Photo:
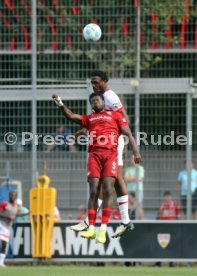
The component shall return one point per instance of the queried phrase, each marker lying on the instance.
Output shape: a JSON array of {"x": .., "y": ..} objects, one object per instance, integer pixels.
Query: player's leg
[
  {"x": 94, "y": 186},
  {"x": 99, "y": 203},
  {"x": 94, "y": 169},
  {"x": 3, "y": 247},
  {"x": 109, "y": 175},
  {"x": 122, "y": 194},
  {"x": 107, "y": 187}
]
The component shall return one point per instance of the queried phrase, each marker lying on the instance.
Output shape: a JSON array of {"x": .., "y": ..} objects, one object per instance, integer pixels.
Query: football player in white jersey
[
  {"x": 99, "y": 81},
  {"x": 8, "y": 212}
]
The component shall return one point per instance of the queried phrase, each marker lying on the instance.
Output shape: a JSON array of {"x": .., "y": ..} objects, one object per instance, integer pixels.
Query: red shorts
[{"x": 102, "y": 164}]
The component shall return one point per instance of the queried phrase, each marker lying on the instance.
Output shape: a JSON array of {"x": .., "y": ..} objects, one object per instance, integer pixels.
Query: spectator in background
[
  {"x": 133, "y": 207},
  {"x": 182, "y": 189},
  {"x": 62, "y": 133},
  {"x": 82, "y": 213},
  {"x": 169, "y": 210},
  {"x": 134, "y": 177},
  {"x": 23, "y": 212}
]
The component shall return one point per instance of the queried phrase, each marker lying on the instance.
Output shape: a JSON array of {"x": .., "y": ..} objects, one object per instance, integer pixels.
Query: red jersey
[
  {"x": 169, "y": 210},
  {"x": 104, "y": 128}
]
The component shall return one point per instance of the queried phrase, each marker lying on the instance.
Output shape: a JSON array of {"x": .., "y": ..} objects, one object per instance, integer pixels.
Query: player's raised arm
[
  {"x": 124, "y": 113},
  {"x": 66, "y": 111},
  {"x": 127, "y": 131}
]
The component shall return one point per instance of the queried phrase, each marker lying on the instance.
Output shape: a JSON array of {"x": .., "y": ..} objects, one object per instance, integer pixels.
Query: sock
[
  {"x": 100, "y": 201},
  {"x": 92, "y": 227},
  {"x": 86, "y": 220},
  {"x": 123, "y": 208},
  {"x": 103, "y": 227},
  {"x": 2, "y": 258},
  {"x": 92, "y": 216},
  {"x": 106, "y": 213}
]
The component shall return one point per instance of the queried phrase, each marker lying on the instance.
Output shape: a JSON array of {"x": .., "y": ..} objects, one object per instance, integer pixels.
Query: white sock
[
  {"x": 100, "y": 201},
  {"x": 92, "y": 227},
  {"x": 86, "y": 220},
  {"x": 123, "y": 208},
  {"x": 2, "y": 258},
  {"x": 104, "y": 227}
]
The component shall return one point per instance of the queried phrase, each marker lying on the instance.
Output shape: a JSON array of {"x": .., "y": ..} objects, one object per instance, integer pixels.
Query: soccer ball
[{"x": 92, "y": 32}]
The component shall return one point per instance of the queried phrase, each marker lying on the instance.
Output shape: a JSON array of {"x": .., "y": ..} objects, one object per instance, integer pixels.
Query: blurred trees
[{"x": 164, "y": 25}]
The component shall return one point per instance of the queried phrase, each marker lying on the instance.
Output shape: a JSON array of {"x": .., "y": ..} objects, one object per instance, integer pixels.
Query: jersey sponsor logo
[
  {"x": 163, "y": 240},
  {"x": 100, "y": 117}
]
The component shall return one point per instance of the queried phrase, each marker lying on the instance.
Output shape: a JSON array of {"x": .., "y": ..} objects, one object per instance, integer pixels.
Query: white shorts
[
  {"x": 120, "y": 150},
  {"x": 4, "y": 233}
]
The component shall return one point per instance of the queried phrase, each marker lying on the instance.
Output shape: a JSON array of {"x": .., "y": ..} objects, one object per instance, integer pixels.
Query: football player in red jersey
[
  {"x": 104, "y": 128},
  {"x": 99, "y": 80}
]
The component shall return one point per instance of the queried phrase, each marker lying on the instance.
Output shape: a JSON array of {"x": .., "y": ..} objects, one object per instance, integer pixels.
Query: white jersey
[
  {"x": 7, "y": 209},
  {"x": 112, "y": 102}
]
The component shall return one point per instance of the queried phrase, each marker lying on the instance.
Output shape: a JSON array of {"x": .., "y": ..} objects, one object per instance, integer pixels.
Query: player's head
[
  {"x": 99, "y": 81},
  {"x": 12, "y": 196},
  {"x": 167, "y": 196},
  {"x": 97, "y": 101}
]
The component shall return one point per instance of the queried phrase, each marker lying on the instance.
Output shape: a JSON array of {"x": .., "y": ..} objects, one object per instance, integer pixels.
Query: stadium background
[{"x": 164, "y": 48}]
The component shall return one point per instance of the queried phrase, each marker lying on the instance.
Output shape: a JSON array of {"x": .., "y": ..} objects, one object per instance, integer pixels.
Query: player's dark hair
[
  {"x": 98, "y": 73},
  {"x": 96, "y": 94}
]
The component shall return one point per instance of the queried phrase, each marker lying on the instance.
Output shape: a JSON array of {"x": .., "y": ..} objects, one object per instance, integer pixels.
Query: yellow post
[{"x": 42, "y": 205}]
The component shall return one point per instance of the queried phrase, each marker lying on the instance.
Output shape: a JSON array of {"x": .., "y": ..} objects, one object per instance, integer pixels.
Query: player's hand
[
  {"x": 137, "y": 158},
  {"x": 57, "y": 100},
  {"x": 80, "y": 132}
]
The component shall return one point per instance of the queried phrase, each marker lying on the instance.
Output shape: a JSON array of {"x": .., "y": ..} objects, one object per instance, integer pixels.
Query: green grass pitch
[{"x": 95, "y": 271}]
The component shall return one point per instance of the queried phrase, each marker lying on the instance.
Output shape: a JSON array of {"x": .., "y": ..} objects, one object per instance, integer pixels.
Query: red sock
[
  {"x": 92, "y": 216},
  {"x": 106, "y": 213}
]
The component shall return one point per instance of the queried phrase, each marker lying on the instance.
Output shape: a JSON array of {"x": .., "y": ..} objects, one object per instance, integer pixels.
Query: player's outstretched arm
[
  {"x": 124, "y": 113},
  {"x": 66, "y": 111},
  {"x": 126, "y": 131}
]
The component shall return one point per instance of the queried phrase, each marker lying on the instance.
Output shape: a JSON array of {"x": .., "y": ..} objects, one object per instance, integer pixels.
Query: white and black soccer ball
[{"x": 92, "y": 32}]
